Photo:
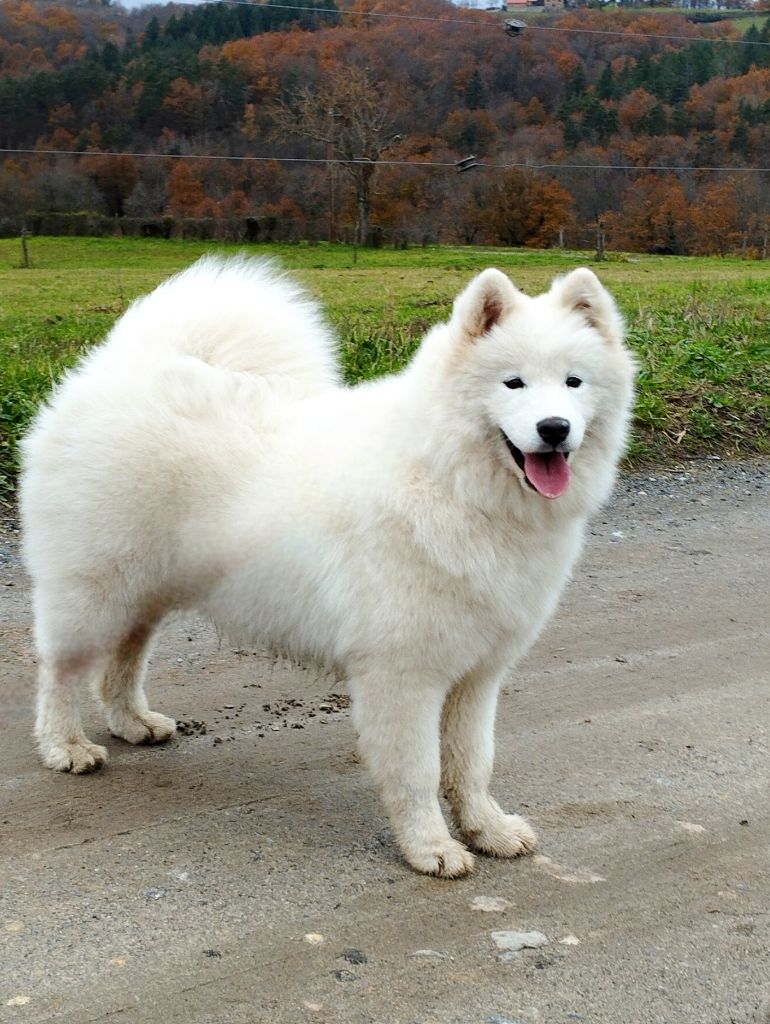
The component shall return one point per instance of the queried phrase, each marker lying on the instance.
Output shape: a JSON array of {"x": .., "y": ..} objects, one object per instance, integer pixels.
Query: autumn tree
[
  {"x": 720, "y": 216},
  {"x": 470, "y": 131},
  {"x": 465, "y": 211},
  {"x": 654, "y": 216},
  {"x": 527, "y": 209},
  {"x": 186, "y": 193},
  {"x": 15, "y": 190},
  {"x": 347, "y": 114},
  {"x": 183, "y": 105},
  {"x": 115, "y": 177}
]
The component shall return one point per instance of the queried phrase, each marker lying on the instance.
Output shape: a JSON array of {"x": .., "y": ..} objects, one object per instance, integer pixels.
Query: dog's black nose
[{"x": 553, "y": 430}]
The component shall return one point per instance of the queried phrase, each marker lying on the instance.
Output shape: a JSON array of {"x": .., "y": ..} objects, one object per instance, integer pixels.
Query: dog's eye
[
  {"x": 514, "y": 382},
  {"x": 574, "y": 382}
]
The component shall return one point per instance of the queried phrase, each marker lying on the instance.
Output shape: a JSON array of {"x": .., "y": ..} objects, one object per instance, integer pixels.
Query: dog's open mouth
[{"x": 545, "y": 472}]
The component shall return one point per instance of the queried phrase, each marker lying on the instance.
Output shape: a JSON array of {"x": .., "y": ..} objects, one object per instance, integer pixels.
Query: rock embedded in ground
[
  {"x": 512, "y": 942},
  {"x": 489, "y": 904}
]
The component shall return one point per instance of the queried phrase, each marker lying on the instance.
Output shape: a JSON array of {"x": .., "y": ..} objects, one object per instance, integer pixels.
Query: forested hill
[{"x": 645, "y": 127}]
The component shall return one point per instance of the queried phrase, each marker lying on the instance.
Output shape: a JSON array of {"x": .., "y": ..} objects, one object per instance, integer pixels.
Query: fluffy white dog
[{"x": 413, "y": 533}]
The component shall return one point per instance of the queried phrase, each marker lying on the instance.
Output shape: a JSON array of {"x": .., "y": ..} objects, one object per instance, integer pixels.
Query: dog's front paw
[
  {"x": 504, "y": 835},
  {"x": 78, "y": 756},
  {"x": 144, "y": 727},
  {"x": 445, "y": 859}
]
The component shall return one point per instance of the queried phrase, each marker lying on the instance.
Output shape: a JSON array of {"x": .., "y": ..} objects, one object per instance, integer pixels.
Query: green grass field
[{"x": 700, "y": 326}]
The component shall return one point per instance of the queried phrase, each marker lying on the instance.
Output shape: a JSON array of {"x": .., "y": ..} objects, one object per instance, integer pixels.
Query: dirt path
[{"x": 181, "y": 884}]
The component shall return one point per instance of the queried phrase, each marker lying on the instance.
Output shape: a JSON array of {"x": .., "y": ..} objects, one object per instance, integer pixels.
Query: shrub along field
[{"x": 699, "y": 325}]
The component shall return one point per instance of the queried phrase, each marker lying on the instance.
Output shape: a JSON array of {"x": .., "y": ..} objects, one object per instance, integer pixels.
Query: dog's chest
[{"x": 463, "y": 600}]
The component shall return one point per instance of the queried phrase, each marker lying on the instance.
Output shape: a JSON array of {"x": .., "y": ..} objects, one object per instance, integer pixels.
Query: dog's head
[{"x": 551, "y": 373}]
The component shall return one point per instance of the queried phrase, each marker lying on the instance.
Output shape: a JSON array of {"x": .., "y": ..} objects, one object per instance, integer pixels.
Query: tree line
[{"x": 588, "y": 124}]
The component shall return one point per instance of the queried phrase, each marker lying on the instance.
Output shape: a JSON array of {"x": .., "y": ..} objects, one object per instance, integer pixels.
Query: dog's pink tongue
[{"x": 548, "y": 472}]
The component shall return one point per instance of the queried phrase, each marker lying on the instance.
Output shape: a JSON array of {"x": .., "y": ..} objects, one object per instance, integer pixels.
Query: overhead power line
[
  {"x": 427, "y": 164},
  {"x": 491, "y": 24}
]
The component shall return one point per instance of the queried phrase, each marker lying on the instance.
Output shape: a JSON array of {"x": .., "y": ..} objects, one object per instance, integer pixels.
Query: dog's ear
[
  {"x": 487, "y": 300},
  {"x": 583, "y": 292}
]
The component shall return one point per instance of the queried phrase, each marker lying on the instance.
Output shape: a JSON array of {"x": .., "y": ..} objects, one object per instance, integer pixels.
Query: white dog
[{"x": 413, "y": 533}]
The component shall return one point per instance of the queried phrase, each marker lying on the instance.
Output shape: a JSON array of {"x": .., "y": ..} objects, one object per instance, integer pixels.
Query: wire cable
[
  {"x": 494, "y": 24},
  {"x": 338, "y": 161}
]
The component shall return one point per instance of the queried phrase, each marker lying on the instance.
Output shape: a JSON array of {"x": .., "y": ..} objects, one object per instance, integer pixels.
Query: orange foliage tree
[
  {"x": 186, "y": 194},
  {"x": 654, "y": 216},
  {"x": 116, "y": 178},
  {"x": 528, "y": 209}
]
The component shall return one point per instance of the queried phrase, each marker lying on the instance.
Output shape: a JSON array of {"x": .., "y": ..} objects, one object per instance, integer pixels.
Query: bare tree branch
[{"x": 349, "y": 115}]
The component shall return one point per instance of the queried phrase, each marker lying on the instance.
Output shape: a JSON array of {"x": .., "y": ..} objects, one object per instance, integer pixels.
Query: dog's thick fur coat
[{"x": 413, "y": 533}]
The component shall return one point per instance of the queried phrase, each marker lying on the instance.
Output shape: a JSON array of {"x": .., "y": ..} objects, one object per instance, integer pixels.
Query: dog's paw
[
  {"x": 444, "y": 859},
  {"x": 506, "y": 835},
  {"x": 79, "y": 756},
  {"x": 147, "y": 727}
]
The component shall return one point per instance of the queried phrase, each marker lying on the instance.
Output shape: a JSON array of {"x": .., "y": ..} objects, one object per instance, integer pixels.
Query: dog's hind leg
[
  {"x": 122, "y": 690},
  {"x": 63, "y": 744},
  {"x": 468, "y": 748},
  {"x": 398, "y": 728}
]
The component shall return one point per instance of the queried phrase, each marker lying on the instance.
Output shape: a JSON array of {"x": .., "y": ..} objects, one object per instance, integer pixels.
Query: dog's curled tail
[{"x": 239, "y": 314}]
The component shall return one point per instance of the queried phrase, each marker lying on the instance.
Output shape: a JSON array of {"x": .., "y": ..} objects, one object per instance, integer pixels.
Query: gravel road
[{"x": 245, "y": 872}]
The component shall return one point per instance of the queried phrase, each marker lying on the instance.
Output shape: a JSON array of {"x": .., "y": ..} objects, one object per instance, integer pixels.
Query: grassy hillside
[{"x": 700, "y": 326}]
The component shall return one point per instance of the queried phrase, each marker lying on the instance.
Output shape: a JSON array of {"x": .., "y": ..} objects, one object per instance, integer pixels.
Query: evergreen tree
[
  {"x": 756, "y": 52},
  {"x": 151, "y": 34},
  {"x": 605, "y": 87},
  {"x": 680, "y": 121},
  {"x": 578, "y": 82},
  {"x": 475, "y": 93},
  {"x": 677, "y": 78},
  {"x": 655, "y": 121},
  {"x": 740, "y": 143},
  {"x": 624, "y": 80},
  {"x": 707, "y": 152},
  {"x": 702, "y": 62},
  {"x": 573, "y": 136},
  {"x": 110, "y": 57},
  {"x": 642, "y": 74},
  {"x": 599, "y": 119}
]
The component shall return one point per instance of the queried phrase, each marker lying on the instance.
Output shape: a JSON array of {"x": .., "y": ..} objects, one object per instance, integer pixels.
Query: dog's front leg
[
  {"x": 398, "y": 723},
  {"x": 468, "y": 748}
]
